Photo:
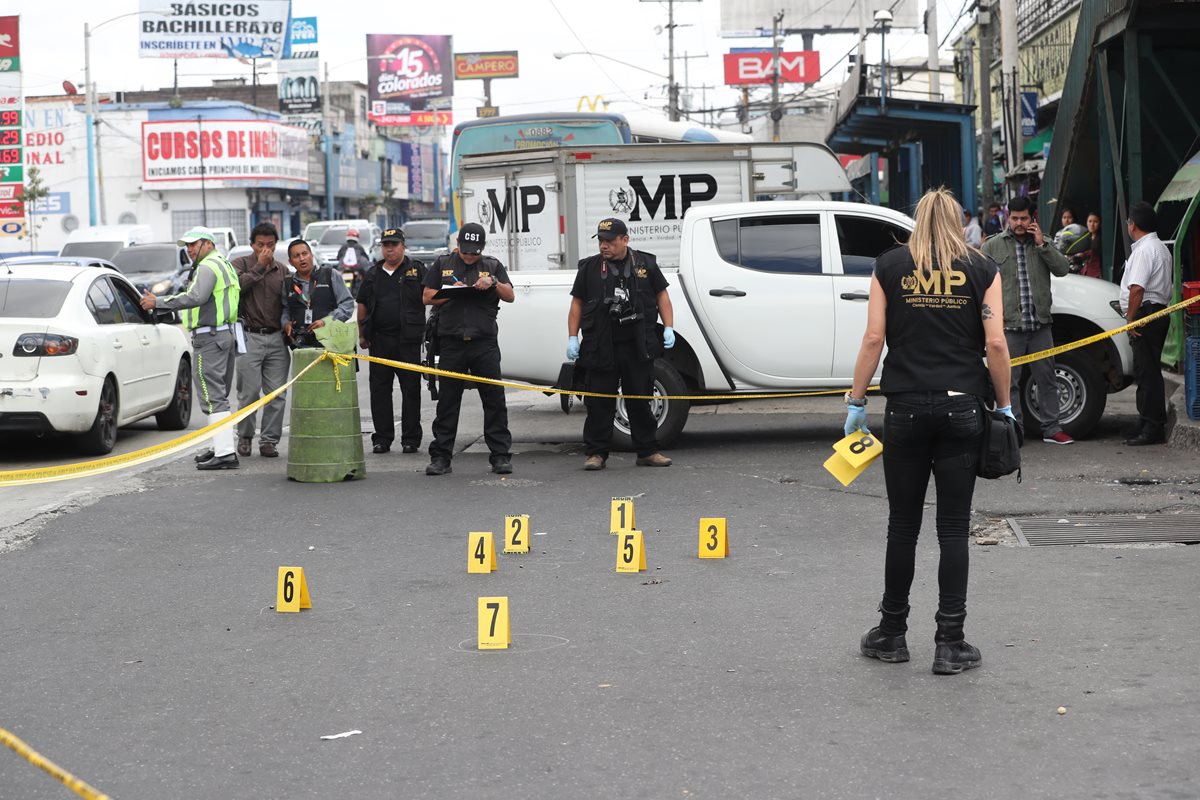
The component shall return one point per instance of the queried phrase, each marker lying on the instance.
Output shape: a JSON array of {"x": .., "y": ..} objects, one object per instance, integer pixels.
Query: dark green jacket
[{"x": 1040, "y": 263}]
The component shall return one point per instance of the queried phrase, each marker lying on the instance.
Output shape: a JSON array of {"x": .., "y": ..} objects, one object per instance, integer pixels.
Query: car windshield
[
  {"x": 313, "y": 231},
  {"x": 426, "y": 231},
  {"x": 105, "y": 250},
  {"x": 336, "y": 236},
  {"x": 142, "y": 260},
  {"x": 34, "y": 299}
]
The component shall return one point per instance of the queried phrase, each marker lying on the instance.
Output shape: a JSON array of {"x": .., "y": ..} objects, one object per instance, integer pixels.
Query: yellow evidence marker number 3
[
  {"x": 291, "y": 592},
  {"x": 631, "y": 552},
  {"x": 516, "y": 534},
  {"x": 714, "y": 537},
  {"x": 622, "y": 517},
  {"x": 494, "y": 633},
  {"x": 481, "y": 555}
]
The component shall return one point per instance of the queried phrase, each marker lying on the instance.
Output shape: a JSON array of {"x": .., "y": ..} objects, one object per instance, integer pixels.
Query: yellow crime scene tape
[
  {"x": 68, "y": 780},
  {"x": 103, "y": 465}
]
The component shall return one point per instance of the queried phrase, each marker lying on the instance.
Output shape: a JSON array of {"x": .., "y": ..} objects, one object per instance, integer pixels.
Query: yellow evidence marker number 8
[
  {"x": 516, "y": 533},
  {"x": 493, "y": 629},
  {"x": 714, "y": 537},
  {"x": 291, "y": 591},
  {"x": 481, "y": 553},
  {"x": 622, "y": 517},
  {"x": 631, "y": 553}
]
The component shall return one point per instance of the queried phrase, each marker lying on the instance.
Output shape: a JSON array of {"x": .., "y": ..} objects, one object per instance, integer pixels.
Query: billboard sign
[
  {"x": 10, "y": 44},
  {"x": 299, "y": 86},
  {"x": 304, "y": 32},
  {"x": 755, "y": 67},
  {"x": 224, "y": 154},
  {"x": 750, "y": 18},
  {"x": 1029, "y": 104},
  {"x": 473, "y": 66},
  {"x": 405, "y": 73},
  {"x": 252, "y": 29}
]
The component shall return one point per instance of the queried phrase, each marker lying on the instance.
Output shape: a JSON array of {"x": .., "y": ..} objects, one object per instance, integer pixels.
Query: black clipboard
[{"x": 458, "y": 290}]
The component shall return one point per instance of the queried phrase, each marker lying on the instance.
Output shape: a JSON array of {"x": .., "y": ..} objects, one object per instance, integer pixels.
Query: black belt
[
  {"x": 262, "y": 331},
  {"x": 1152, "y": 307}
]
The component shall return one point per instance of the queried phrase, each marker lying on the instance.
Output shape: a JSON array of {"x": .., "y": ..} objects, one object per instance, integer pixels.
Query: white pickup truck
[{"x": 772, "y": 297}]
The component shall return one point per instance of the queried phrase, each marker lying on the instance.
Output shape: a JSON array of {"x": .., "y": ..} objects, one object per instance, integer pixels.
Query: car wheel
[
  {"x": 102, "y": 436},
  {"x": 1082, "y": 395},
  {"x": 176, "y": 416},
  {"x": 671, "y": 415}
]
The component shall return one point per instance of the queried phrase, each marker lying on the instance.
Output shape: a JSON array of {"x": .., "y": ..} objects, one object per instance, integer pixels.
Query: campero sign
[
  {"x": 250, "y": 29},
  {"x": 224, "y": 153},
  {"x": 474, "y": 66}
]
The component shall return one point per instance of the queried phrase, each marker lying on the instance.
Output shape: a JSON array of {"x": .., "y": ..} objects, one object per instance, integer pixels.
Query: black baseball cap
[
  {"x": 610, "y": 229},
  {"x": 471, "y": 238},
  {"x": 391, "y": 235}
]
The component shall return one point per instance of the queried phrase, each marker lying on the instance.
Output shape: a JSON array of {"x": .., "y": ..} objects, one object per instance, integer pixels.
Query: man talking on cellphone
[{"x": 1027, "y": 260}]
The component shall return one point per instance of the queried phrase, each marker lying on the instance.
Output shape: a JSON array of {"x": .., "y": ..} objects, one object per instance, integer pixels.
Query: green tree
[{"x": 35, "y": 191}]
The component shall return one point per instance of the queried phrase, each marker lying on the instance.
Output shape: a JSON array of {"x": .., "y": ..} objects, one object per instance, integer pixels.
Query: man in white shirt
[
  {"x": 971, "y": 230},
  {"x": 1146, "y": 287}
]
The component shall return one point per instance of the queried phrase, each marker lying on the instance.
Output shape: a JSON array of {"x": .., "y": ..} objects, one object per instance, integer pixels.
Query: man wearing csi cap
[
  {"x": 616, "y": 301},
  {"x": 210, "y": 312},
  {"x": 468, "y": 286}
]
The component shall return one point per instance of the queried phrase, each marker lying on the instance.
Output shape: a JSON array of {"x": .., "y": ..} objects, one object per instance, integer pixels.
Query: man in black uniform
[
  {"x": 618, "y": 296},
  {"x": 391, "y": 324},
  {"x": 472, "y": 286}
]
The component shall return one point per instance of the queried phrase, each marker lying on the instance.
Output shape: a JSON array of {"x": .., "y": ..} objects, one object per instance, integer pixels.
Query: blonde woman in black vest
[{"x": 937, "y": 304}]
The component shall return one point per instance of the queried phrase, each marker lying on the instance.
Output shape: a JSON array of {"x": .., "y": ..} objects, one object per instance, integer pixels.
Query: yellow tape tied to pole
[{"x": 79, "y": 787}]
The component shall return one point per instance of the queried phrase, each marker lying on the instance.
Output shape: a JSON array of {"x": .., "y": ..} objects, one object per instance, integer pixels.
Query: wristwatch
[{"x": 855, "y": 401}]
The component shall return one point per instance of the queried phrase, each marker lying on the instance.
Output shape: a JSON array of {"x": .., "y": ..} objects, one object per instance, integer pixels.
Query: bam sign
[{"x": 743, "y": 69}]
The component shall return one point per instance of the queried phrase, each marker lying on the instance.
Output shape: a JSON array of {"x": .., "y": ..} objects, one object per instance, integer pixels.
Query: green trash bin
[{"x": 325, "y": 444}]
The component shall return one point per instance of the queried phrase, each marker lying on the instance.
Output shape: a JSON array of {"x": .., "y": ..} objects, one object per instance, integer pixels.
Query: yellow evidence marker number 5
[
  {"x": 481, "y": 554},
  {"x": 714, "y": 537},
  {"x": 494, "y": 633},
  {"x": 516, "y": 533},
  {"x": 631, "y": 552},
  {"x": 291, "y": 592}
]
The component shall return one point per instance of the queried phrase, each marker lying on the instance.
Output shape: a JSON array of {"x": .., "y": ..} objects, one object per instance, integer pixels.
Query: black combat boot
[
  {"x": 886, "y": 640},
  {"x": 952, "y": 654}
]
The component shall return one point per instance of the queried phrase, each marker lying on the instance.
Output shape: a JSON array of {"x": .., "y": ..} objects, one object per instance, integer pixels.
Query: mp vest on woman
[{"x": 934, "y": 324}]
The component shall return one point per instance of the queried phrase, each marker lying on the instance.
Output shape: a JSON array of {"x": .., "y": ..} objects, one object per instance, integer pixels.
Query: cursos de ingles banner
[
  {"x": 224, "y": 154},
  {"x": 408, "y": 76}
]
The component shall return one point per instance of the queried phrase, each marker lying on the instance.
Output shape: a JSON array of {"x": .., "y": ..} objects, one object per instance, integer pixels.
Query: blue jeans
[{"x": 923, "y": 433}]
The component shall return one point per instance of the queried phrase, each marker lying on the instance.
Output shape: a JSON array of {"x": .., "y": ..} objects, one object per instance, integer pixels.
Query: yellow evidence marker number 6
[
  {"x": 291, "y": 591},
  {"x": 714, "y": 537},
  {"x": 494, "y": 632},
  {"x": 516, "y": 533},
  {"x": 631, "y": 552}
]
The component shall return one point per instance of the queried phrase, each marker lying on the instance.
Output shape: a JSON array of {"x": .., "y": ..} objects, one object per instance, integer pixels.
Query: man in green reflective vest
[{"x": 209, "y": 308}]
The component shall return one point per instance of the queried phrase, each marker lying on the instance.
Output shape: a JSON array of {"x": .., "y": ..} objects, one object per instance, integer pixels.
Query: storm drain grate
[{"x": 1047, "y": 531}]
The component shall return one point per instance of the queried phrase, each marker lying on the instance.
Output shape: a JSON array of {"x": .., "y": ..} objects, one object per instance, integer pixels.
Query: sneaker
[
  {"x": 204, "y": 455},
  {"x": 268, "y": 450},
  {"x": 243, "y": 447},
  {"x": 654, "y": 460},
  {"x": 220, "y": 462},
  {"x": 438, "y": 468},
  {"x": 1059, "y": 438},
  {"x": 502, "y": 466},
  {"x": 594, "y": 463}
]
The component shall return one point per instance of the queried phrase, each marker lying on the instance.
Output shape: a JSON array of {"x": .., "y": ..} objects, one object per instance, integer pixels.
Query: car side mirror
[{"x": 165, "y": 316}]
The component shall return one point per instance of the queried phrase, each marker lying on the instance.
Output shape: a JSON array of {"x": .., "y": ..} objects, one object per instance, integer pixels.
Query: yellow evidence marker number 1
[
  {"x": 622, "y": 517},
  {"x": 291, "y": 592},
  {"x": 714, "y": 537},
  {"x": 494, "y": 633},
  {"x": 631, "y": 552},
  {"x": 516, "y": 534},
  {"x": 481, "y": 555}
]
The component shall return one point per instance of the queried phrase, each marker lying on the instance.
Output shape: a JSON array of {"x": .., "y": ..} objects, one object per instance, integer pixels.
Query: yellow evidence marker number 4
[
  {"x": 291, "y": 592},
  {"x": 622, "y": 517},
  {"x": 714, "y": 537},
  {"x": 481, "y": 555},
  {"x": 516, "y": 533},
  {"x": 631, "y": 552},
  {"x": 494, "y": 633}
]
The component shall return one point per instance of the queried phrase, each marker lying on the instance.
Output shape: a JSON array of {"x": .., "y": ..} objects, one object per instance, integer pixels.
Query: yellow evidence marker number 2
[
  {"x": 481, "y": 554},
  {"x": 714, "y": 537},
  {"x": 516, "y": 533},
  {"x": 291, "y": 592},
  {"x": 622, "y": 517},
  {"x": 494, "y": 633},
  {"x": 631, "y": 552}
]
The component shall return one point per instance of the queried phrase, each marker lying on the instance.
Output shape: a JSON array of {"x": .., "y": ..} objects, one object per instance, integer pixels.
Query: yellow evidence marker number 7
[
  {"x": 714, "y": 537},
  {"x": 481, "y": 554},
  {"x": 516, "y": 533},
  {"x": 494, "y": 633},
  {"x": 291, "y": 591},
  {"x": 622, "y": 517},
  {"x": 631, "y": 552}
]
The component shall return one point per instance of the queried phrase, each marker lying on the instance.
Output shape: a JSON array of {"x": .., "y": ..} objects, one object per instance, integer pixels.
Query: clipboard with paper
[{"x": 852, "y": 455}]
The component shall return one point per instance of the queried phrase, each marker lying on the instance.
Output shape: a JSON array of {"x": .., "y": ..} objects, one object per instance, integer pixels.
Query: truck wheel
[
  {"x": 1082, "y": 395},
  {"x": 671, "y": 415}
]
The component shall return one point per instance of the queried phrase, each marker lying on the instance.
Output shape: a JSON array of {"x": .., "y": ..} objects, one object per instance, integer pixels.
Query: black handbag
[{"x": 1000, "y": 451}]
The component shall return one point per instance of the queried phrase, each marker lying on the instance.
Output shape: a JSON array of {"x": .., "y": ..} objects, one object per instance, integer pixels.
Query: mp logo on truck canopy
[
  {"x": 673, "y": 195},
  {"x": 513, "y": 212}
]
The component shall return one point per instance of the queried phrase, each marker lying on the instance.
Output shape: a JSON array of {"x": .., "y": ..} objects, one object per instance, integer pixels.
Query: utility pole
[
  {"x": 776, "y": 111},
  {"x": 1010, "y": 78},
  {"x": 327, "y": 130},
  {"x": 931, "y": 31},
  {"x": 672, "y": 88},
  {"x": 987, "y": 195},
  {"x": 200, "y": 148}
]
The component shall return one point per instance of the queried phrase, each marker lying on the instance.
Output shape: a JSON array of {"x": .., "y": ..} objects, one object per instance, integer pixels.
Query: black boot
[
  {"x": 886, "y": 640},
  {"x": 952, "y": 654}
]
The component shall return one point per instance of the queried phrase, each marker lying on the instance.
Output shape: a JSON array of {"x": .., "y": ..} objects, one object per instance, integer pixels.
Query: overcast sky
[{"x": 52, "y": 47}]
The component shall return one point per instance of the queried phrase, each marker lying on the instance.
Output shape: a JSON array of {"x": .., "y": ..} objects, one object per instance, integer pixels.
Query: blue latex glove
[
  {"x": 572, "y": 348},
  {"x": 668, "y": 337},
  {"x": 856, "y": 419},
  {"x": 1008, "y": 412}
]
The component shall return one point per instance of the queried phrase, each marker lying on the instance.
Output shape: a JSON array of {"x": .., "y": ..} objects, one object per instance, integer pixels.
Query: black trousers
[
  {"x": 923, "y": 433},
  {"x": 634, "y": 377},
  {"x": 380, "y": 379},
  {"x": 1147, "y": 368},
  {"x": 477, "y": 357}
]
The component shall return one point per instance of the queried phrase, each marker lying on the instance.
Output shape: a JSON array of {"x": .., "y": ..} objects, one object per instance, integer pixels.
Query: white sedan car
[{"x": 79, "y": 356}]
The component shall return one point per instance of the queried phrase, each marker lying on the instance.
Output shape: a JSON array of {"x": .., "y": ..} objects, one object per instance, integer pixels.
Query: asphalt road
[{"x": 141, "y": 651}]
